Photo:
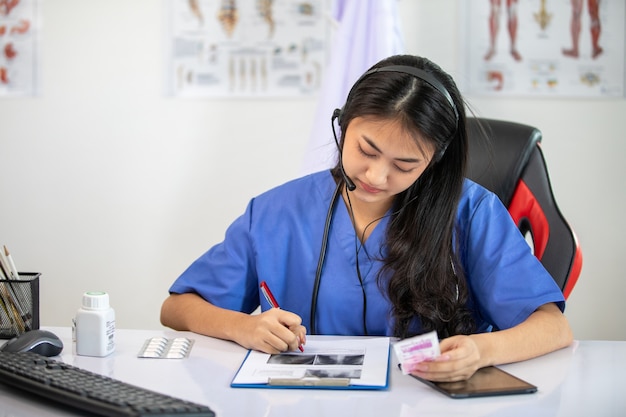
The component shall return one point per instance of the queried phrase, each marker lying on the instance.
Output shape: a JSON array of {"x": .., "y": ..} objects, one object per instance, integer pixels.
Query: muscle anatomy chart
[
  {"x": 543, "y": 47},
  {"x": 19, "y": 62}
]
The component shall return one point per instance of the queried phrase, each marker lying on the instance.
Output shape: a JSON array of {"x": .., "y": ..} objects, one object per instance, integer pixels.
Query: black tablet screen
[{"x": 487, "y": 381}]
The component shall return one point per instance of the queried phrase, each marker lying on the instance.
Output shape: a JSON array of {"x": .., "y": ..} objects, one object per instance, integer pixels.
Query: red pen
[{"x": 272, "y": 301}]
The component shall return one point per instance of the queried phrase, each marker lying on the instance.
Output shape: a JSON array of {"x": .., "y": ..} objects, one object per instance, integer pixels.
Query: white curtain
[{"x": 366, "y": 31}]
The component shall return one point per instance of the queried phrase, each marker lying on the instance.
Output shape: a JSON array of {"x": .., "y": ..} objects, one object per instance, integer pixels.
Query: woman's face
[{"x": 383, "y": 158}]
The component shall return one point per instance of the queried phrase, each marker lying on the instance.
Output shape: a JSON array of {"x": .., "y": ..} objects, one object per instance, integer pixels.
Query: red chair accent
[{"x": 506, "y": 158}]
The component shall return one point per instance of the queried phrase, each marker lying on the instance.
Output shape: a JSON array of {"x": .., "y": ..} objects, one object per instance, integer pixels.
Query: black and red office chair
[{"x": 506, "y": 158}]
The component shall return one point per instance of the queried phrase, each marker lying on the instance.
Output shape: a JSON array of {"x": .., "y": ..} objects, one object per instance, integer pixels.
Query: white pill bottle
[{"x": 95, "y": 325}]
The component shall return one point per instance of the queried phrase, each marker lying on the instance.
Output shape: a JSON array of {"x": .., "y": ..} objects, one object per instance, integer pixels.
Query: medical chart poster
[
  {"x": 245, "y": 48},
  {"x": 543, "y": 48},
  {"x": 19, "y": 43}
]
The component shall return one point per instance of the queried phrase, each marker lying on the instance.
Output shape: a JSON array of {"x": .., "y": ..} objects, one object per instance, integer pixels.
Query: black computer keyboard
[{"x": 88, "y": 391}]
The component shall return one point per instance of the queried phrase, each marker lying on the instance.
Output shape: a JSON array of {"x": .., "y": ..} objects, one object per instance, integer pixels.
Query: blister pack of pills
[{"x": 164, "y": 348}]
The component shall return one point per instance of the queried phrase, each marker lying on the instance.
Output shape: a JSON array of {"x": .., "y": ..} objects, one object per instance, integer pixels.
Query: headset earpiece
[{"x": 349, "y": 183}]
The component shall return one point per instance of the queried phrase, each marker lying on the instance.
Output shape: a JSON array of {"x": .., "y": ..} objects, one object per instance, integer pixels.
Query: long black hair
[{"x": 421, "y": 275}]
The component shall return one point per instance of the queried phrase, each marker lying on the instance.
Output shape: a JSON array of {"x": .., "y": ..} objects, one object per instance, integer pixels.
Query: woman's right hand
[{"x": 273, "y": 331}]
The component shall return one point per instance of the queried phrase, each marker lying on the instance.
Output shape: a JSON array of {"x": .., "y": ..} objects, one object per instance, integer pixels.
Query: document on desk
[{"x": 328, "y": 362}]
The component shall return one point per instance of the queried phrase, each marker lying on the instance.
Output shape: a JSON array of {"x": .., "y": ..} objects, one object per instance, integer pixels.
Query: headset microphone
[{"x": 349, "y": 183}]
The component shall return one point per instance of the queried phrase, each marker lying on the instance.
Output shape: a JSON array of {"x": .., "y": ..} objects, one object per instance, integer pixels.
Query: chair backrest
[{"x": 506, "y": 158}]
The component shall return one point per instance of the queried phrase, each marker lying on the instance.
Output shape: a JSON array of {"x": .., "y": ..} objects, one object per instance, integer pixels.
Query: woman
[{"x": 392, "y": 241}]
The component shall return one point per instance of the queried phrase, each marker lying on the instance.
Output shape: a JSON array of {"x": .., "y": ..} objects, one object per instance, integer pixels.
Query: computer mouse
[{"x": 38, "y": 341}]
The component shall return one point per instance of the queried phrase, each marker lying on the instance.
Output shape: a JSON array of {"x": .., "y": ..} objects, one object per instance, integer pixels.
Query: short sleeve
[
  {"x": 507, "y": 282},
  {"x": 225, "y": 274}
]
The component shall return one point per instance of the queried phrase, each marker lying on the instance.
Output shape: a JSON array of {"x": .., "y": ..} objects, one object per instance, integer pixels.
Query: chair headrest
[{"x": 498, "y": 152}]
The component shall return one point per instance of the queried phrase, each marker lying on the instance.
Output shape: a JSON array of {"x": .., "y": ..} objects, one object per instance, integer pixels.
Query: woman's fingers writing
[{"x": 274, "y": 331}]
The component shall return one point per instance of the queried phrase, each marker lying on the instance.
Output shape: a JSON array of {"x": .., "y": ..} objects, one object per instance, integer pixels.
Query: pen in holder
[{"x": 19, "y": 304}]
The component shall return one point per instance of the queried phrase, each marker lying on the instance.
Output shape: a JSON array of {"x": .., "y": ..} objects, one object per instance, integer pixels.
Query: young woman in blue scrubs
[{"x": 392, "y": 241}]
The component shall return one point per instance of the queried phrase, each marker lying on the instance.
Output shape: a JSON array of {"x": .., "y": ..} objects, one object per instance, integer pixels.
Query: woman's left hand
[
  {"x": 460, "y": 358},
  {"x": 545, "y": 330}
]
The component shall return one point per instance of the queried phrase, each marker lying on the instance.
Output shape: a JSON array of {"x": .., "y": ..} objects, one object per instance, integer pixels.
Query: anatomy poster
[
  {"x": 543, "y": 48},
  {"x": 19, "y": 53},
  {"x": 245, "y": 48}
]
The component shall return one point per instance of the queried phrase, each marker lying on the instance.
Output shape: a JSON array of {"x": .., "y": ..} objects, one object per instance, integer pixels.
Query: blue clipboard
[{"x": 317, "y": 369}]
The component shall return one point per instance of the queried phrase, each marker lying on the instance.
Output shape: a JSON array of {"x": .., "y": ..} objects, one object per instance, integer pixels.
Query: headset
[
  {"x": 418, "y": 73},
  {"x": 403, "y": 69}
]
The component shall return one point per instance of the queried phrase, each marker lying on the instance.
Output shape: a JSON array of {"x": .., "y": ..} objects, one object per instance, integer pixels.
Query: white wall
[{"x": 106, "y": 184}]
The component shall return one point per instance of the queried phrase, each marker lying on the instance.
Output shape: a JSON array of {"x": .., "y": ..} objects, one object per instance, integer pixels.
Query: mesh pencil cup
[{"x": 19, "y": 304}]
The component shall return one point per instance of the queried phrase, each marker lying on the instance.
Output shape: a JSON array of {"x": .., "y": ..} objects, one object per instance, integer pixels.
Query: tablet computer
[{"x": 485, "y": 382}]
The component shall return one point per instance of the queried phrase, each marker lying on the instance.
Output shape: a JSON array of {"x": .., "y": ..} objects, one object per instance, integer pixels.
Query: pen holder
[{"x": 19, "y": 304}]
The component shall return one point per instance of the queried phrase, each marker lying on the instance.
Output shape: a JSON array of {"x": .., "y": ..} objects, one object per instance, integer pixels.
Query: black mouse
[{"x": 38, "y": 341}]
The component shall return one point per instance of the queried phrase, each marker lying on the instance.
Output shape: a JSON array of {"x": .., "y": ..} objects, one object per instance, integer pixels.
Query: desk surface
[{"x": 587, "y": 378}]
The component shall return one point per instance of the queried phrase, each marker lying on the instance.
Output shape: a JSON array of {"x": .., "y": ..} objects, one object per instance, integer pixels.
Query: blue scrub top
[{"x": 278, "y": 240}]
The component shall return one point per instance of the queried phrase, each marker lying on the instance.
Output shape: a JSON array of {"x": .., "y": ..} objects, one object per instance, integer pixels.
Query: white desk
[{"x": 586, "y": 379}]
